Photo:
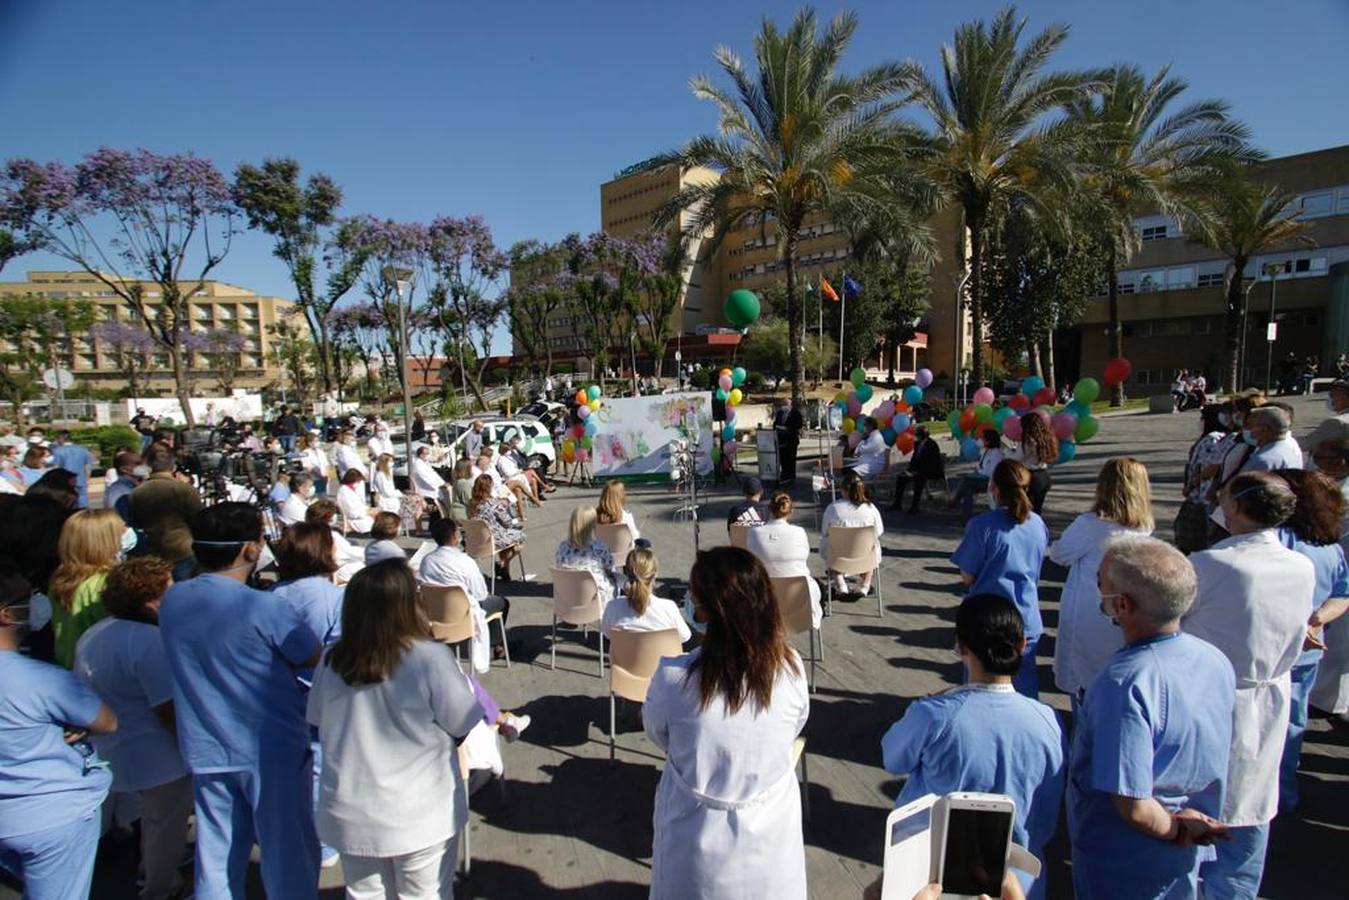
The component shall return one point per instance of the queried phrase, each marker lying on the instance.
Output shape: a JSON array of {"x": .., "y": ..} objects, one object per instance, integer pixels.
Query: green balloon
[
  {"x": 864, "y": 392},
  {"x": 737, "y": 376},
  {"x": 953, "y": 420},
  {"x": 982, "y": 412},
  {"x": 587, "y": 442},
  {"x": 721, "y": 394},
  {"x": 1002, "y": 415},
  {"x": 593, "y": 392},
  {"x": 1087, "y": 390},
  {"x": 858, "y": 377},
  {"x": 1086, "y": 429},
  {"x": 742, "y": 308}
]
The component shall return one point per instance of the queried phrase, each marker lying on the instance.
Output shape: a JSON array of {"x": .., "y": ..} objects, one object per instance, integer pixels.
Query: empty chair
[
  {"x": 793, "y": 595},
  {"x": 739, "y": 535},
  {"x": 836, "y": 458},
  {"x": 479, "y": 544},
  {"x": 449, "y": 611},
  {"x": 618, "y": 538},
  {"x": 633, "y": 657},
  {"x": 575, "y": 601},
  {"x": 853, "y": 550}
]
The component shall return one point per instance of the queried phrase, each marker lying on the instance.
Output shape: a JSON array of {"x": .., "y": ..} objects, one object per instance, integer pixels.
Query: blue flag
[{"x": 851, "y": 286}]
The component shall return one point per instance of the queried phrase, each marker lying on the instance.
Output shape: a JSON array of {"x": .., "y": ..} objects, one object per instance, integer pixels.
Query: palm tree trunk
[
  {"x": 1235, "y": 298},
  {"x": 793, "y": 315},
  {"x": 976, "y": 227},
  {"x": 1047, "y": 362},
  {"x": 1116, "y": 330}
]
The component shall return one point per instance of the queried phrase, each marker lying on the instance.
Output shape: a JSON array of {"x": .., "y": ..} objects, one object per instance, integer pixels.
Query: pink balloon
[
  {"x": 1064, "y": 425},
  {"x": 583, "y": 412},
  {"x": 582, "y": 454},
  {"x": 1011, "y": 427},
  {"x": 1045, "y": 414},
  {"x": 854, "y": 406},
  {"x": 853, "y": 440},
  {"x": 985, "y": 395},
  {"x": 730, "y": 414},
  {"x": 728, "y": 448},
  {"x": 886, "y": 410},
  {"x": 725, "y": 382}
]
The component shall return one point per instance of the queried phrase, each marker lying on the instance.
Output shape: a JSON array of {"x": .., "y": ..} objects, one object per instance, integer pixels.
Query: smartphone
[
  {"x": 908, "y": 849},
  {"x": 975, "y": 838}
]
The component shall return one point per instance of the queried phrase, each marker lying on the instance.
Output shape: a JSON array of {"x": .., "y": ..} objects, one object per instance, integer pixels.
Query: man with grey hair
[
  {"x": 1150, "y": 748},
  {"x": 1267, "y": 430}
]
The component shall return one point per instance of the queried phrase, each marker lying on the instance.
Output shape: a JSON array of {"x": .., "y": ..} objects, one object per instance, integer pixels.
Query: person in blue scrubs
[
  {"x": 73, "y": 458},
  {"x": 234, "y": 652},
  {"x": 984, "y": 736},
  {"x": 1002, "y": 552},
  {"x": 52, "y": 786},
  {"x": 1149, "y": 758},
  {"x": 1313, "y": 531}
]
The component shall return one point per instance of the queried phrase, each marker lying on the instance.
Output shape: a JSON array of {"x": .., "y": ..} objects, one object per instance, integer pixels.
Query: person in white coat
[
  {"x": 872, "y": 455},
  {"x": 1087, "y": 638},
  {"x": 728, "y": 809},
  {"x": 853, "y": 509},
  {"x": 379, "y": 441},
  {"x": 387, "y": 495},
  {"x": 426, "y": 481},
  {"x": 293, "y": 508},
  {"x": 784, "y": 549},
  {"x": 346, "y": 456},
  {"x": 638, "y": 608},
  {"x": 1255, "y": 597},
  {"x": 315, "y": 462},
  {"x": 351, "y": 501}
]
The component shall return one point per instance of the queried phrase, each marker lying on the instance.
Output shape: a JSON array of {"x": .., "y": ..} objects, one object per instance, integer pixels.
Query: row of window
[
  {"x": 636, "y": 192},
  {"x": 1311, "y": 205},
  {"x": 814, "y": 259},
  {"x": 1213, "y": 273},
  {"x": 1202, "y": 325}
]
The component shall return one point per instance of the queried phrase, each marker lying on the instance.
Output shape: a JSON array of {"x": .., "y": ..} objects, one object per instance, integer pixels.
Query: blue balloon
[
  {"x": 889, "y": 434},
  {"x": 913, "y": 395},
  {"x": 1078, "y": 408},
  {"x": 900, "y": 423},
  {"x": 969, "y": 449},
  {"x": 1067, "y": 450},
  {"x": 1032, "y": 384},
  {"x": 728, "y": 433},
  {"x": 591, "y": 428}
]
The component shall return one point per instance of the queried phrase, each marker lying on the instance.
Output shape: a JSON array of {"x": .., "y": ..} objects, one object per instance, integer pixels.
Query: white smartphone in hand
[{"x": 976, "y": 835}]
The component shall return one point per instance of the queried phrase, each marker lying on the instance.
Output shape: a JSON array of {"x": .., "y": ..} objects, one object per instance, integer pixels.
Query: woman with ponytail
[
  {"x": 853, "y": 509},
  {"x": 784, "y": 549},
  {"x": 638, "y": 608},
  {"x": 984, "y": 736},
  {"x": 1001, "y": 553},
  {"x": 1037, "y": 451}
]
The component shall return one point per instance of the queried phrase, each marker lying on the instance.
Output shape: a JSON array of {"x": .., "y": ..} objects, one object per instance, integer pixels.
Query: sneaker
[
  {"x": 530, "y": 576},
  {"x": 330, "y": 858},
  {"x": 513, "y": 727}
]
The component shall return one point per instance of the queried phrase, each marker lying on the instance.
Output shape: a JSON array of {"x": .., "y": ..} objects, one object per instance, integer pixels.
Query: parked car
[{"x": 541, "y": 453}]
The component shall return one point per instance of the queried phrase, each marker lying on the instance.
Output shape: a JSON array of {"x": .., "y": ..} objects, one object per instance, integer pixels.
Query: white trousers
[
  {"x": 426, "y": 874},
  {"x": 164, "y": 812}
]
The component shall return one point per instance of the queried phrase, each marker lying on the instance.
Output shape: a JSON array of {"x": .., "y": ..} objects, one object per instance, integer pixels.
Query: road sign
[
  {"x": 58, "y": 379},
  {"x": 1272, "y": 332}
]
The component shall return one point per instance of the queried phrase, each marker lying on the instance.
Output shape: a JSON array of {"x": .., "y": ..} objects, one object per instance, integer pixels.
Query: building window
[
  {"x": 1211, "y": 279},
  {"x": 1149, "y": 282},
  {"x": 1178, "y": 279},
  {"x": 1316, "y": 205},
  {"x": 1154, "y": 232}
]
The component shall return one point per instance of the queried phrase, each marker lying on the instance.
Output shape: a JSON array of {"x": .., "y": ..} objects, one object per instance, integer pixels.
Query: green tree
[
  {"x": 795, "y": 139},
  {"x": 295, "y": 355},
  {"x": 300, "y": 219},
  {"x": 1146, "y": 154},
  {"x": 32, "y": 330},
  {"x": 995, "y": 135},
  {"x": 1242, "y": 220},
  {"x": 537, "y": 291},
  {"x": 766, "y": 350}
]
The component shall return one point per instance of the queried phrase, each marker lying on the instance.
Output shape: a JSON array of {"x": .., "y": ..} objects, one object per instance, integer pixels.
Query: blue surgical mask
[
  {"x": 129, "y": 541},
  {"x": 1224, "y": 420},
  {"x": 1247, "y": 436}
]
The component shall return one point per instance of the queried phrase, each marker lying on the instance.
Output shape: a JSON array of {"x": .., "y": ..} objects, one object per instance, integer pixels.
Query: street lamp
[
  {"x": 400, "y": 279},
  {"x": 1272, "y": 329}
]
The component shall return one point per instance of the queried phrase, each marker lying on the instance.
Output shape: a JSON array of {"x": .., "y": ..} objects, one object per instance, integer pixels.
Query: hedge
[{"x": 106, "y": 440}]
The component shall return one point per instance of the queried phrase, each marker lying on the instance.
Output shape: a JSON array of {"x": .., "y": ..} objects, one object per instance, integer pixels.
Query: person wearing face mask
[
  {"x": 131, "y": 471},
  {"x": 1266, "y": 429},
  {"x": 346, "y": 456},
  {"x": 11, "y": 479},
  {"x": 293, "y": 508},
  {"x": 162, "y": 506},
  {"x": 1336, "y": 424},
  {"x": 1253, "y": 604},
  {"x": 1206, "y": 454},
  {"x": 1149, "y": 758},
  {"x": 983, "y": 736},
  {"x": 91, "y": 543},
  {"x": 52, "y": 789},
  {"x": 234, "y": 652},
  {"x": 37, "y": 437}
]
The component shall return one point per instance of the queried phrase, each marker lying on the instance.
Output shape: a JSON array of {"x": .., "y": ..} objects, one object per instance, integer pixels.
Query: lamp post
[
  {"x": 1272, "y": 329},
  {"x": 400, "y": 279}
]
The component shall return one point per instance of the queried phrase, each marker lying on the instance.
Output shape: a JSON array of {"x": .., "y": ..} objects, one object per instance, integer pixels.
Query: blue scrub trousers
[
  {"x": 1235, "y": 874},
  {"x": 55, "y": 863},
  {"x": 271, "y": 804},
  {"x": 1304, "y": 676}
]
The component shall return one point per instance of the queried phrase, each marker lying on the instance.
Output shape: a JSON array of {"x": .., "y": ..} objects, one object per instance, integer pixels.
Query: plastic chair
[
  {"x": 479, "y": 544},
  {"x": 618, "y": 538},
  {"x": 740, "y": 536},
  {"x": 449, "y": 611},
  {"x": 836, "y": 458},
  {"x": 792, "y": 593},
  {"x": 633, "y": 658},
  {"x": 576, "y": 601},
  {"x": 852, "y": 551}
]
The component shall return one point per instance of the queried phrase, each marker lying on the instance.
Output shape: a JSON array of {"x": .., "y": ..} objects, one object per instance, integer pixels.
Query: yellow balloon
[
  {"x": 735, "y": 397},
  {"x": 848, "y": 425},
  {"x": 595, "y": 404}
]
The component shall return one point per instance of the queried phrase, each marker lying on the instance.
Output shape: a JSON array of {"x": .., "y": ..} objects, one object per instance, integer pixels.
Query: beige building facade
[{"x": 218, "y": 306}]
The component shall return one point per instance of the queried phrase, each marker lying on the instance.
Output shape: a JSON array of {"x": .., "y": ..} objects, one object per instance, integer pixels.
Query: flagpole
[
  {"x": 842, "y": 313},
  {"x": 820, "y": 370}
]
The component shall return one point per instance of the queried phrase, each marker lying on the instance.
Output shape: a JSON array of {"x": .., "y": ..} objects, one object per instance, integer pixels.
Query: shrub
[
  {"x": 701, "y": 379},
  {"x": 106, "y": 440},
  {"x": 755, "y": 381}
]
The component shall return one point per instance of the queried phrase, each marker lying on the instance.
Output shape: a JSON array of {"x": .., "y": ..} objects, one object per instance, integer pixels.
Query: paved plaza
[{"x": 573, "y": 825}]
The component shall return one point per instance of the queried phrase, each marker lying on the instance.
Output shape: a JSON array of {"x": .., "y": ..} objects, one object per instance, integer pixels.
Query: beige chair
[
  {"x": 793, "y": 597},
  {"x": 448, "y": 610},
  {"x": 740, "y": 536},
  {"x": 480, "y": 545},
  {"x": 799, "y": 763},
  {"x": 836, "y": 458},
  {"x": 618, "y": 538},
  {"x": 633, "y": 658},
  {"x": 576, "y": 601},
  {"x": 853, "y": 550}
]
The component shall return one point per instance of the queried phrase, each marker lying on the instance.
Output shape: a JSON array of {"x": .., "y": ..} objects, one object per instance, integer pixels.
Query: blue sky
[{"x": 518, "y": 110}]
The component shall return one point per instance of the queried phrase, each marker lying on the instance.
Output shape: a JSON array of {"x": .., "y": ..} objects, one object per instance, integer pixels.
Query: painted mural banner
[{"x": 634, "y": 434}]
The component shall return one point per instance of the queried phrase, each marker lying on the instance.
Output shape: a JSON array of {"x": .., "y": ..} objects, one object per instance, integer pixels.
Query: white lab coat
[
  {"x": 348, "y": 457},
  {"x": 293, "y": 509},
  {"x": 387, "y": 496},
  {"x": 1254, "y": 599},
  {"x": 784, "y": 550},
  {"x": 351, "y": 501},
  {"x": 728, "y": 808},
  {"x": 871, "y": 455},
  {"x": 379, "y": 442},
  {"x": 426, "y": 481}
]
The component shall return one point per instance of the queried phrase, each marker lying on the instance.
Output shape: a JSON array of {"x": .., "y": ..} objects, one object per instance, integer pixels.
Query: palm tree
[
  {"x": 1242, "y": 220},
  {"x": 1144, "y": 157},
  {"x": 992, "y": 140},
  {"x": 796, "y": 140}
]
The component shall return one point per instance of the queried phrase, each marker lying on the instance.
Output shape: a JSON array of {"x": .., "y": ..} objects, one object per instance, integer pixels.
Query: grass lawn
[{"x": 1101, "y": 406}]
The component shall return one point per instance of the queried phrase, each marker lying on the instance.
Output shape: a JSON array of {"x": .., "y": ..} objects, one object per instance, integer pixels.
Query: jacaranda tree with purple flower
[
  {"x": 150, "y": 227},
  {"x": 130, "y": 344},
  {"x": 463, "y": 264}
]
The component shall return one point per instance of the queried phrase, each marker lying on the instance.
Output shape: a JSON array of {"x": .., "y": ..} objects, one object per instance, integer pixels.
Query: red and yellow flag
[{"x": 827, "y": 289}]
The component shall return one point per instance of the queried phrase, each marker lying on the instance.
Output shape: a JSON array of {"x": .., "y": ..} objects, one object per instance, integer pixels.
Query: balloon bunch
[
  {"x": 728, "y": 391},
  {"x": 894, "y": 418},
  {"x": 580, "y": 437}
]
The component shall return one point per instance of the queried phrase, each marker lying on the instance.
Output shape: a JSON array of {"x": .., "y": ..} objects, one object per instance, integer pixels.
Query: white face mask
[
  {"x": 129, "y": 541},
  {"x": 140, "y": 472}
]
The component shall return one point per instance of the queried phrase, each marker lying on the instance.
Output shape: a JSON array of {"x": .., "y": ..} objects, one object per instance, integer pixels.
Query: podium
[{"x": 766, "y": 442}]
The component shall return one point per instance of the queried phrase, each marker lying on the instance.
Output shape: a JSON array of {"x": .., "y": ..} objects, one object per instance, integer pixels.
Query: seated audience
[
  {"x": 293, "y": 508},
  {"x": 612, "y": 510},
  {"x": 784, "y": 549},
  {"x": 582, "y": 550},
  {"x": 976, "y": 483},
  {"x": 359, "y": 515},
  {"x": 853, "y": 509},
  {"x": 926, "y": 464},
  {"x": 449, "y": 566},
  {"x": 507, "y": 534},
  {"x": 325, "y": 512},
  {"x": 383, "y": 544},
  {"x": 749, "y": 511},
  {"x": 638, "y": 608}
]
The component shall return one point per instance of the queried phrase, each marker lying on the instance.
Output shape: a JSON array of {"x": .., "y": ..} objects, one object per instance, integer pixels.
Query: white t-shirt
[
  {"x": 660, "y": 615},
  {"x": 125, "y": 664},
  {"x": 390, "y": 783}
]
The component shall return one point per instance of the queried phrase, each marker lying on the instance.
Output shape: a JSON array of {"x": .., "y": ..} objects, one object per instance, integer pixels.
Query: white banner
[
  {"x": 634, "y": 433},
  {"x": 243, "y": 407}
]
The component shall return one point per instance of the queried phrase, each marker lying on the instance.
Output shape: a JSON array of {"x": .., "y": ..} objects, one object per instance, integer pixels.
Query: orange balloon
[
  {"x": 582, "y": 397},
  {"x": 901, "y": 406},
  {"x": 905, "y": 442},
  {"x": 968, "y": 419},
  {"x": 726, "y": 372}
]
